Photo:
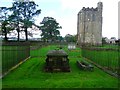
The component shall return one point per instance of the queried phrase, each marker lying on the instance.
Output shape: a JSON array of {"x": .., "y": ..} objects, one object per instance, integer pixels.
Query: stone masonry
[{"x": 89, "y": 25}]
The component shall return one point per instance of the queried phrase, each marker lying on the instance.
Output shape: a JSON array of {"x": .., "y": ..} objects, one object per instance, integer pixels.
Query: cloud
[
  {"x": 70, "y": 4},
  {"x": 110, "y": 14},
  {"x": 51, "y": 13},
  {"x": 65, "y": 12},
  {"x": 45, "y": 1},
  {"x": 78, "y": 4},
  {"x": 69, "y": 25}
]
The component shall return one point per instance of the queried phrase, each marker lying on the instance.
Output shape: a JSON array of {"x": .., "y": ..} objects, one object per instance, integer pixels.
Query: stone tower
[{"x": 89, "y": 25}]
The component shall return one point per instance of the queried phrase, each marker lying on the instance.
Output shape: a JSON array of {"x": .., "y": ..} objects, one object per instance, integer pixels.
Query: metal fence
[
  {"x": 13, "y": 53},
  {"x": 107, "y": 58}
]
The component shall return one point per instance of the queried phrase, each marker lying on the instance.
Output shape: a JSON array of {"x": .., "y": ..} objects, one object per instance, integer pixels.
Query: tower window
[{"x": 93, "y": 17}]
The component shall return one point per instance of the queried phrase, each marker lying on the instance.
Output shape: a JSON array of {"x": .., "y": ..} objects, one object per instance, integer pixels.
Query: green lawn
[
  {"x": 105, "y": 58},
  {"x": 31, "y": 74},
  {"x": 108, "y": 46},
  {"x": 102, "y": 57},
  {"x": 12, "y": 55}
]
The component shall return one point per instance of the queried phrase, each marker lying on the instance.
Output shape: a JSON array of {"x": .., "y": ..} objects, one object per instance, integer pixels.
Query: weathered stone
[
  {"x": 84, "y": 66},
  {"x": 57, "y": 60},
  {"x": 90, "y": 25},
  {"x": 71, "y": 46}
]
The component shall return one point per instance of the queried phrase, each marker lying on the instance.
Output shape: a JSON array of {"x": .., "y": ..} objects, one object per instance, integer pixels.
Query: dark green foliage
[
  {"x": 104, "y": 41},
  {"x": 23, "y": 13},
  {"x": 15, "y": 17},
  {"x": 71, "y": 38},
  {"x": 49, "y": 29},
  {"x": 4, "y": 21},
  {"x": 60, "y": 38},
  {"x": 21, "y": 17}
]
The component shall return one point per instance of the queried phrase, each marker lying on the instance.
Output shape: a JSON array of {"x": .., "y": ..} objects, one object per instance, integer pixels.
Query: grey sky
[{"x": 65, "y": 12}]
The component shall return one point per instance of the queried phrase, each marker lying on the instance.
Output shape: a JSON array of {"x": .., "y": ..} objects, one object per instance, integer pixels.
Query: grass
[
  {"x": 31, "y": 74},
  {"x": 104, "y": 58},
  {"x": 12, "y": 55},
  {"x": 108, "y": 46}
]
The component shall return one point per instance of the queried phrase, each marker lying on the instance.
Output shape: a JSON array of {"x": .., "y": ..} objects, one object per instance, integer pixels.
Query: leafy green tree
[
  {"x": 71, "y": 38},
  {"x": 60, "y": 38},
  {"x": 15, "y": 18},
  {"x": 28, "y": 11},
  {"x": 104, "y": 40},
  {"x": 23, "y": 15},
  {"x": 75, "y": 38},
  {"x": 4, "y": 20},
  {"x": 49, "y": 29}
]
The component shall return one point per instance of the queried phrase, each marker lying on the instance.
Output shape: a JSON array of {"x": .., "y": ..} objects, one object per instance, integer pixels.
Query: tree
[
  {"x": 49, "y": 29},
  {"x": 60, "y": 38},
  {"x": 4, "y": 21},
  {"x": 104, "y": 40},
  {"x": 71, "y": 38},
  {"x": 23, "y": 15},
  {"x": 28, "y": 11},
  {"x": 15, "y": 18},
  {"x": 75, "y": 38}
]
